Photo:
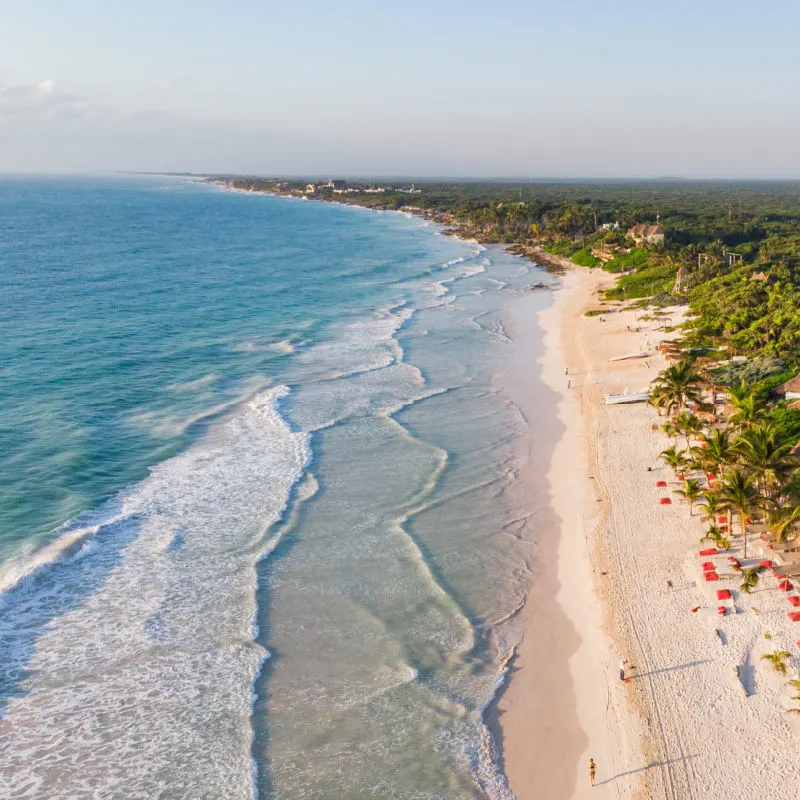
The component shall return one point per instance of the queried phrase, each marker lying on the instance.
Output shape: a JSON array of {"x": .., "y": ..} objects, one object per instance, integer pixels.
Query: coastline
[{"x": 616, "y": 575}]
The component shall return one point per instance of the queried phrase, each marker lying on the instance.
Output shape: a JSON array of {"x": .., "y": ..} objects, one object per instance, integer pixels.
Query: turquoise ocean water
[{"x": 258, "y": 533}]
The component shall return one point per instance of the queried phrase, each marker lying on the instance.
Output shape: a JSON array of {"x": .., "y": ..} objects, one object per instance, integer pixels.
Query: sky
[{"x": 358, "y": 88}]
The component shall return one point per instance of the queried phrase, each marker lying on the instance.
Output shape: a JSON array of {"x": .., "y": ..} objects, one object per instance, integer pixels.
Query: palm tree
[
  {"x": 690, "y": 491},
  {"x": 763, "y": 452},
  {"x": 711, "y": 507},
  {"x": 739, "y": 392},
  {"x": 675, "y": 459},
  {"x": 676, "y": 386},
  {"x": 738, "y": 493},
  {"x": 782, "y": 518},
  {"x": 747, "y": 412},
  {"x": 687, "y": 424},
  {"x": 715, "y": 535},
  {"x": 777, "y": 659},
  {"x": 750, "y": 578},
  {"x": 716, "y": 451}
]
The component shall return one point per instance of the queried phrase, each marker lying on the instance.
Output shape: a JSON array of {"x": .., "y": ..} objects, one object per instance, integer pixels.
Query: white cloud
[{"x": 46, "y": 86}]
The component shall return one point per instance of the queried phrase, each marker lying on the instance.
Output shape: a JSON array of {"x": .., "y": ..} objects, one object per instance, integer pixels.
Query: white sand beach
[{"x": 618, "y": 577}]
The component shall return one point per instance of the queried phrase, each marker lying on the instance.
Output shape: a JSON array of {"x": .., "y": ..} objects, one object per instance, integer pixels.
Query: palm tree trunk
[{"x": 744, "y": 531}]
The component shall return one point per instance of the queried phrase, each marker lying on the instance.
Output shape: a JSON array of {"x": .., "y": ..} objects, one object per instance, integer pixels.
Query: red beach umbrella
[
  {"x": 723, "y": 594},
  {"x": 665, "y": 501},
  {"x": 794, "y": 600},
  {"x": 661, "y": 484},
  {"x": 722, "y": 519}
]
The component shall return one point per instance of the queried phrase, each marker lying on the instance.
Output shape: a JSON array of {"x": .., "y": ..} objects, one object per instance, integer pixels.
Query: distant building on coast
[{"x": 646, "y": 234}]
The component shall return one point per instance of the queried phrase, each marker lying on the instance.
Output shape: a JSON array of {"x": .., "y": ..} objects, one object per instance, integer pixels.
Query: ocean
[{"x": 261, "y": 533}]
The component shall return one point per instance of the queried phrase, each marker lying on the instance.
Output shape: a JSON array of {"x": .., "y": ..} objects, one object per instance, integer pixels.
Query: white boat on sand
[{"x": 616, "y": 398}]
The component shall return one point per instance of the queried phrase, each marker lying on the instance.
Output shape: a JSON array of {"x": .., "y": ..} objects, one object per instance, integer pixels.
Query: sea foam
[{"x": 140, "y": 631}]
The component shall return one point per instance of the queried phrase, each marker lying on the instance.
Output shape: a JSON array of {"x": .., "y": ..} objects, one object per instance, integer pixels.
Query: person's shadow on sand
[{"x": 652, "y": 765}]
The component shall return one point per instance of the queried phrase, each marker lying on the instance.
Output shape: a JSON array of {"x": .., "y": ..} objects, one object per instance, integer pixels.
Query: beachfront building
[
  {"x": 646, "y": 234},
  {"x": 790, "y": 390}
]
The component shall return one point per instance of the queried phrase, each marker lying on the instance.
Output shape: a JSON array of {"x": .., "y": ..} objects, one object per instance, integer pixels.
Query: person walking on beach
[
  {"x": 592, "y": 771},
  {"x": 622, "y": 666}
]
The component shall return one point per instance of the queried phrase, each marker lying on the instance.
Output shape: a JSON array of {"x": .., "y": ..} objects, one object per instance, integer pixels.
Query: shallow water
[{"x": 259, "y": 537}]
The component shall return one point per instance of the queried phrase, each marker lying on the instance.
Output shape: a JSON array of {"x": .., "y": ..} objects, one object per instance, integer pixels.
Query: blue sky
[{"x": 572, "y": 88}]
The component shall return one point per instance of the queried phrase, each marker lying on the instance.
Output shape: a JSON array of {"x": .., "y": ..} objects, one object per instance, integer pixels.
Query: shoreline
[
  {"x": 552, "y": 715},
  {"x": 449, "y": 227}
]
